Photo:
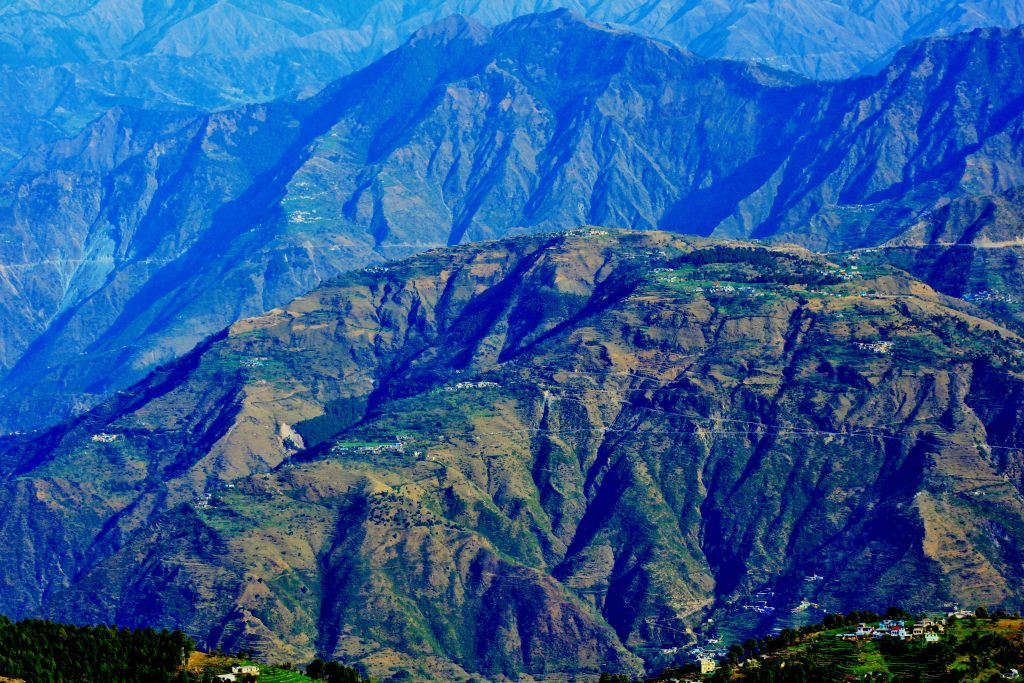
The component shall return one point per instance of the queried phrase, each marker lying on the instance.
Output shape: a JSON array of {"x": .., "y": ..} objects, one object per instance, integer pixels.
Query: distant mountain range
[
  {"x": 125, "y": 246},
  {"x": 65, "y": 62},
  {"x": 545, "y": 456}
]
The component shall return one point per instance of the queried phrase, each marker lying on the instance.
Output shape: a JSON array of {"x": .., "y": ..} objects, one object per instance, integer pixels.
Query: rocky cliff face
[
  {"x": 147, "y": 232},
  {"x": 537, "y": 455}
]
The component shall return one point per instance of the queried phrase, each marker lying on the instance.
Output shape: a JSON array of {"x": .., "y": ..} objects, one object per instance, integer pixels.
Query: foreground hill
[
  {"x": 64, "y": 63},
  {"x": 961, "y": 650},
  {"x": 130, "y": 243},
  {"x": 544, "y": 454}
]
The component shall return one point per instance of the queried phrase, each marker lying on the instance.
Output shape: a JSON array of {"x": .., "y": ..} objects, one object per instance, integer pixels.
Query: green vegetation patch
[
  {"x": 277, "y": 675},
  {"x": 338, "y": 416},
  {"x": 35, "y": 650},
  {"x": 754, "y": 265}
]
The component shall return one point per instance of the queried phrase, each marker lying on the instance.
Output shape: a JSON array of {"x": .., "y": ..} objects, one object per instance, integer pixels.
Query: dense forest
[
  {"x": 46, "y": 652},
  {"x": 39, "y": 651}
]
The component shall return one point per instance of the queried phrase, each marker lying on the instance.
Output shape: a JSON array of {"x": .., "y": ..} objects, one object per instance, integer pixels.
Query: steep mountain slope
[
  {"x": 130, "y": 243},
  {"x": 528, "y": 456},
  {"x": 971, "y": 248},
  {"x": 64, "y": 63}
]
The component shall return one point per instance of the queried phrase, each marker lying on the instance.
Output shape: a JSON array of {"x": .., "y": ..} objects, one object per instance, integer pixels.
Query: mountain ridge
[
  {"x": 66, "y": 65},
  {"x": 475, "y": 143}
]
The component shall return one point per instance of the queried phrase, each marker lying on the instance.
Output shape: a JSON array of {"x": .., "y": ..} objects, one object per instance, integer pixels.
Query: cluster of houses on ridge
[
  {"x": 882, "y": 347},
  {"x": 398, "y": 446},
  {"x": 103, "y": 437},
  {"x": 460, "y": 386},
  {"x": 929, "y": 629},
  {"x": 984, "y": 295},
  {"x": 585, "y": 232}
]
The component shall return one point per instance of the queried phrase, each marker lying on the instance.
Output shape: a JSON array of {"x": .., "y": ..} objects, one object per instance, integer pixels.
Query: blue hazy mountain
[
  {"x": 64, "y": 63},
  {"x": 131, "y": 242}
]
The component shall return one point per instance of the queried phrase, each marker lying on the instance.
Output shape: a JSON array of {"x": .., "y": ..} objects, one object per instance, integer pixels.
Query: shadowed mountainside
[{"x": 130, "y": 243}]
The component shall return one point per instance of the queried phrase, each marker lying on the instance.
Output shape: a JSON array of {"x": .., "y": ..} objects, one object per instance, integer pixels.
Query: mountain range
[
  {"x": 125, "y": 246},
  {"x": 545, "y": 456},
  {"x": 65, "y": 62},
  {"x": 524, "y": 351}
]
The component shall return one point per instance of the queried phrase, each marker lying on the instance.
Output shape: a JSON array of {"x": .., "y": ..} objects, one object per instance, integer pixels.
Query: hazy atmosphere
[{"x": 611, "y": 341}]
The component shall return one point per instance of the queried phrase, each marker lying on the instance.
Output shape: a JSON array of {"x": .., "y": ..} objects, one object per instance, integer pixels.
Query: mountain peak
[
  {"x": 456, "y": 26},
  {"x": 976, "y": 57},
  {"x": 558, "y": 19}
]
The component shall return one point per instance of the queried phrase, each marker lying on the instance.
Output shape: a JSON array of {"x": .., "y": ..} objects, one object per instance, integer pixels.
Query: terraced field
[{"x": 274, "y": 675}]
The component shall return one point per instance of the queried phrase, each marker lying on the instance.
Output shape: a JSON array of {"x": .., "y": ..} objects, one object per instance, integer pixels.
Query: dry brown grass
[{"x": 198, "y": 662}]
